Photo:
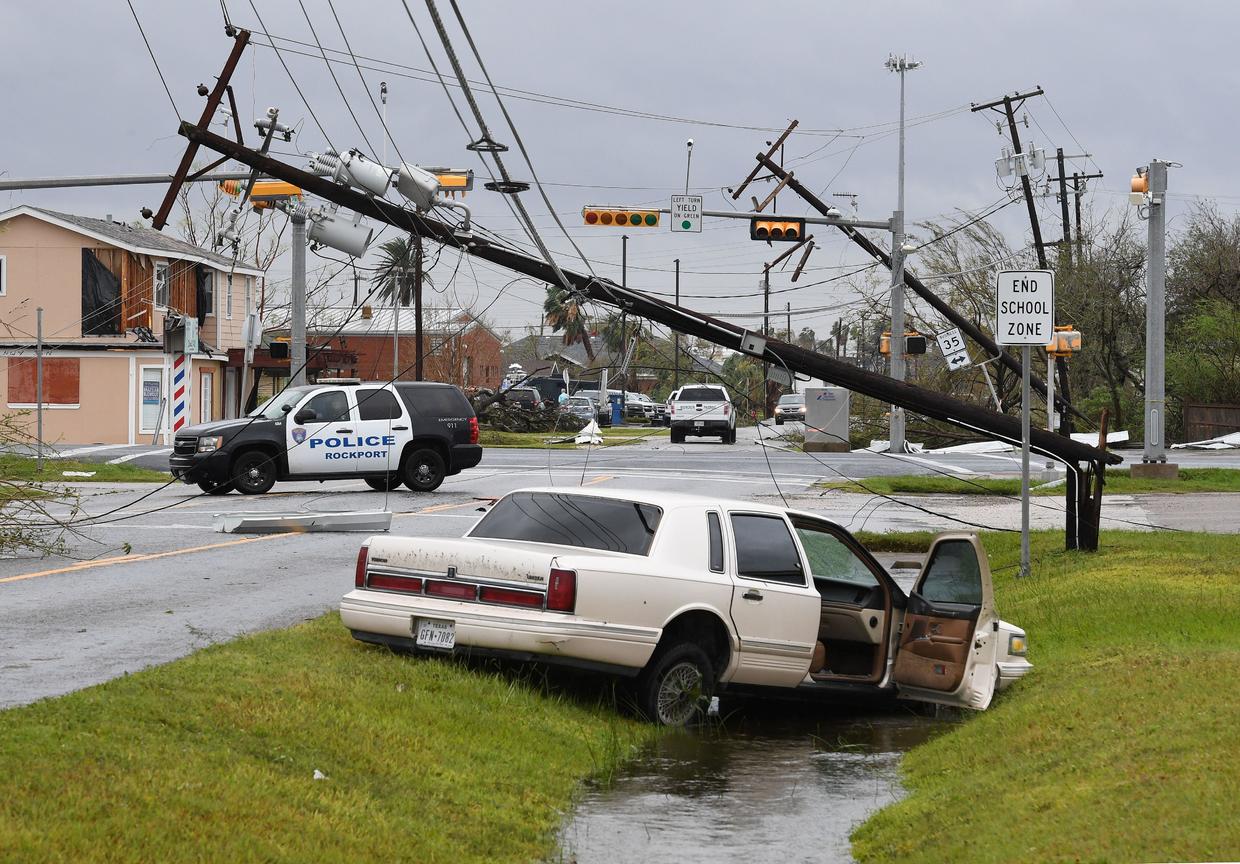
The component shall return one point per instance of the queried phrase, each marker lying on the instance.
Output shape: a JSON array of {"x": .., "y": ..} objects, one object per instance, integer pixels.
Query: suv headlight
[
  {"x": 209, "y": 443},
  {"x": 1017, "y": 644}
]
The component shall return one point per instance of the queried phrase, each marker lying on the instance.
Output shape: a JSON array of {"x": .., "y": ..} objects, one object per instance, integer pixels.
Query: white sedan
[{"x": 689, "y": 595}]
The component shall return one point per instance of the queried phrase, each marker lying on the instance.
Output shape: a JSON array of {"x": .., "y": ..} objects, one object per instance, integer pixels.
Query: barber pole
[{"x": 180, "y": 391}]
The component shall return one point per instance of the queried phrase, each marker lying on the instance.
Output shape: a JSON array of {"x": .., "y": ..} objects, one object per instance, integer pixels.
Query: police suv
[{"x": 386, "y": 434}]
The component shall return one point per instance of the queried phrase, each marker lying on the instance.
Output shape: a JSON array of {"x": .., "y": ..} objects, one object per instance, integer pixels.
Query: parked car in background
[
  {"x": 687, "y": 595},
  {"x": 661, "y": 416},
  {"x": 524, "y": 397},
  {"x": 791, "y": 407},
  {"x": 604, "y": 412},
  {"x": 702, "y": 409},
  {"x": 638, "y": 406},
  {"x": 581, "y": 407}
]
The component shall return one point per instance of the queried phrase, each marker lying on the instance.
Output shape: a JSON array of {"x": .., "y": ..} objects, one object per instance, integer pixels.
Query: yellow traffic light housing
[
  {"x": 1065, "y": 342},
  {"x": 788, "y": 230},
  {"x": 914, "y": 343},
  {"x": 265, "y": 192},
  {"x": 616, "y": 217}
]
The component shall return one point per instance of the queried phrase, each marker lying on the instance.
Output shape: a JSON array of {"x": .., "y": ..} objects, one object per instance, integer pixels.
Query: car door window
[
  {"x": 830, "y": 558},
  {"x": 329, "y": 407},
  {"x": 765, "y": 549},
  {"x": 953, "y": 575},
  {"x": 373, "y": 404}
]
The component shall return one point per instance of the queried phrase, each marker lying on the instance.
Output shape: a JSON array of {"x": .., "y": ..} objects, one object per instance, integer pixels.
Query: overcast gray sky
[{"x": 1125, "y": 81}]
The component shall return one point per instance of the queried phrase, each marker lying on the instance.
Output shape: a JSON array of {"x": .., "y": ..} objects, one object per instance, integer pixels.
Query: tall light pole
[
  {"x": 900, "y": 65},
  {"x": 1153, "y": 183},
  {"x": 297, "y": 305}
]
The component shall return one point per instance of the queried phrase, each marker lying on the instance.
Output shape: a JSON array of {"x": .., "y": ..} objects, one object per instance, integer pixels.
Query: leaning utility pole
[
  {"x": 1009, "y": 110},
  {"x": 895, "y": 444},
  {"x": 297, "y": 303},
  {"x": 417, "y": 306}
]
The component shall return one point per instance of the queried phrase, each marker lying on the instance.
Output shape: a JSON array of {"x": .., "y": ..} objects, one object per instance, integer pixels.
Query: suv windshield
[
  {"x": 701, "y": 394},
  {"x": 572, "y": 520},
  {"x": 280, "y": 404},
  {"x": 791, "y": 399}
]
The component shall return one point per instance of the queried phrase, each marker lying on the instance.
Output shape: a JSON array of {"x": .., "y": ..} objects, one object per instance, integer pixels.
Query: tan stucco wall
[
  {"x": 103, "y": 397},
  {"x": 44, "y": 268}
]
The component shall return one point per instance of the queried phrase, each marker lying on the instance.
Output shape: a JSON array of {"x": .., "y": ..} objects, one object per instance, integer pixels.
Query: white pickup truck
[
  {"x": 702, "y": 409},
  {"x": 686, "y": 595}
]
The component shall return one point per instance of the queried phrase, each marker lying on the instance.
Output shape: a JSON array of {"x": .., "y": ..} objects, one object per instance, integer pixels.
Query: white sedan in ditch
[{"x": 689, "y": 595}]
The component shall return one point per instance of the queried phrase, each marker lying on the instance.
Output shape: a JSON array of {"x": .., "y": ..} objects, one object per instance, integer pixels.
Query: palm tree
[
  {"x": 399, "y": 276},
  {"x": 565, "y": 313}
]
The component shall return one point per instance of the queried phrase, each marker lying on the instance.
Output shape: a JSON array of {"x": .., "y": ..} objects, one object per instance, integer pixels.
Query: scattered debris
[
  {"x": 77, "y": 473},
  {"x": 319, "y": 775},
  {"x": 1222, "y": 442}
]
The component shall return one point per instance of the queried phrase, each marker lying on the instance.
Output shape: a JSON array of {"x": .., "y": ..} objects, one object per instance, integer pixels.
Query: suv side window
[
  {"x": 329, "y": 407},
  {"x": 375, "y": 404},
  {"x": 765, "y": 549}
]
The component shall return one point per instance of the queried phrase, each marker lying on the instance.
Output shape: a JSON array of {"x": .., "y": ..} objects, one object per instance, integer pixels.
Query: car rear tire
[
  {"x": 676, "y": 687},
  {"x": 423, "y": 470},
  {"x": 215, "y": 488},
  {"x": 254, "y": 473},
  {"x": 678, "y": 436},
  {"x": 384, "y": 484}
]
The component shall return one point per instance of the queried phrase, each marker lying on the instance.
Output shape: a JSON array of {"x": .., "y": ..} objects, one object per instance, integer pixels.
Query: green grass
[
  {"x": 26, "y": 469},
  {"x": 1121, "y": 745},
  {"x": 538, "y": 440},
  {"x": 211, "y": 758},
  {"x": 1118, "y": 482}
]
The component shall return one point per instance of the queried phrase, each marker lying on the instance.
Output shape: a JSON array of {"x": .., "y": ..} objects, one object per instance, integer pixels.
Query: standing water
[{"x": 761, "y": 786}]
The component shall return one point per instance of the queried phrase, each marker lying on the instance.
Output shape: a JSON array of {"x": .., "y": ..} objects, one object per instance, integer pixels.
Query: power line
[{"x": 158, "y": 71}]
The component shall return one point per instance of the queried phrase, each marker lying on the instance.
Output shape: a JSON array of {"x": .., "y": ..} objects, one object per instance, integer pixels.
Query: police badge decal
[{"x": 299, "y": 435}]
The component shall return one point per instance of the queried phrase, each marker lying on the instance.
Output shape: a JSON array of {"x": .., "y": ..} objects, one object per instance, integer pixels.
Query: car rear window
[
  {"x": 435, "y": 401},
  {"x": 572, "y": 520},
  {"x": 701, "y": 394}
]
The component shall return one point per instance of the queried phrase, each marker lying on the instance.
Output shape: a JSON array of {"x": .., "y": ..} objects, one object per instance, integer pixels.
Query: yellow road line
[
  {"x": 602, "y": 478},
  {"x": 437, "y": 507},
  {"x": 133, "y": 559}
]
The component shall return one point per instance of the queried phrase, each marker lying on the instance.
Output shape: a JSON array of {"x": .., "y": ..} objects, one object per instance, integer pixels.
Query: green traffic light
[
  {"x": 635, "y": 219},
  {"x": 652, "y": 219}
]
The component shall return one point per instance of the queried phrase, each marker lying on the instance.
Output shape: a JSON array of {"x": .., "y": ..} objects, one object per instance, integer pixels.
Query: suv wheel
[
  {"x": 675, "y": 689},
  {"x": 678, "y": 436},
  {"x": 254, "y": 473},
  {"x": 423, "y": 470}
]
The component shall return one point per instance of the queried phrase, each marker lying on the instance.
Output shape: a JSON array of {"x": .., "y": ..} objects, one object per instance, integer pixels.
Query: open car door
[{"x": 947, "y": 647}]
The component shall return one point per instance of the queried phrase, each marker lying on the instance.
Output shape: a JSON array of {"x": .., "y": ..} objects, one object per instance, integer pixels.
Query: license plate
[
  {"x": 698, "y": 423},
  {"x": 434, "y": 633}
]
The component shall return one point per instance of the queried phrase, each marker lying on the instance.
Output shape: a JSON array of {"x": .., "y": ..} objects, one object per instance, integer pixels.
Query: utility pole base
[{"x": 1155, "y": 470}]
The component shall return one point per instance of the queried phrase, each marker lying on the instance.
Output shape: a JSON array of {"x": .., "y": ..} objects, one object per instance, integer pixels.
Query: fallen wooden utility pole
[{"x": 1082, "y": 460}]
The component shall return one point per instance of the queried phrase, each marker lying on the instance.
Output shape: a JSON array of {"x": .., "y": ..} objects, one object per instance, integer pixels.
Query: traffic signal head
[
  {"x": 914, "y": 343},
  {"x": 620, "y": 218},
  {"x": 777, "y": 229}
]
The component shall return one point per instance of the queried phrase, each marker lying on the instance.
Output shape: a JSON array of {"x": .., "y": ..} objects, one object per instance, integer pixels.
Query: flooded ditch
[{"x": 768, "y": 783}]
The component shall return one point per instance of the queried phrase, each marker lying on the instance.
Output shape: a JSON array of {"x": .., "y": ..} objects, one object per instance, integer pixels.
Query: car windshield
[
  {"x": 572, "y": 520},
  {"x": 791, "y": 399},
  {"x": 280, "y": 404},
  {"x": 701, "y": 394}
]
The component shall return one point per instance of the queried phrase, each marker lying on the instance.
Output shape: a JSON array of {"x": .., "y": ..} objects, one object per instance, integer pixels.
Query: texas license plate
[
  {"x": 697, "y": 424},
  {"x": 434, "y": 633}
]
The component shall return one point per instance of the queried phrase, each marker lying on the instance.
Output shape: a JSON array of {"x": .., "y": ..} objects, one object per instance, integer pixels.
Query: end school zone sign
[{"x": 1024, "y": 307}]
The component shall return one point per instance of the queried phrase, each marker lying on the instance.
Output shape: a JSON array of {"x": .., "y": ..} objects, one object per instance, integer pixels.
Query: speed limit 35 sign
[{"x": 951, "y": 343}]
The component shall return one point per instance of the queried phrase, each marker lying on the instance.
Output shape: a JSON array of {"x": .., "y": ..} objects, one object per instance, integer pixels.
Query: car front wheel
[
  {"x": 254, "y": 473},
  {"x": 675, "y": 689},
  {"x": 423, "y": 470},
  {"x": 384, "y": 484}
]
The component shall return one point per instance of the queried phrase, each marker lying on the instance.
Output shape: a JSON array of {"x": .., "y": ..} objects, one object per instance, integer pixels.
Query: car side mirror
[{"x": 305, "y": 415}]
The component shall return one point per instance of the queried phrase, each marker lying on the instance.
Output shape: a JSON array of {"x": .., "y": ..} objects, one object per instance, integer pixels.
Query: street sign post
[
  {"x": 955, "y": 354},
  {"x": 687, "y": 213},
  {"x": 1024, "y": 316}
]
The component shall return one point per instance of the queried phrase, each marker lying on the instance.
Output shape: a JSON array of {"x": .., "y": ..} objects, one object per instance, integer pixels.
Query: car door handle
[
  {"x": 400, "y": 428},
  {"x": 752, "y": 594},
  {"x": 344, "y": 431}
]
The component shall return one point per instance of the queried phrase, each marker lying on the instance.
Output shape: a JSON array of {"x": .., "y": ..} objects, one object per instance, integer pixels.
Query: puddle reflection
[{"x": 778, "y": 784}]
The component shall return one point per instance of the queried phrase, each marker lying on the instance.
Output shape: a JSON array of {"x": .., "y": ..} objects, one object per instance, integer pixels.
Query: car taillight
[
  {"x": 508, "y": 597},
  {"x": 726, "y": 408},
  {"x": 561, "y": 590},
  {"x": 359, "y": 572},
  {"x": 473, "y": 430},
  {"x": 671, "y": 409},
  {"x": 383, "y": 582}
]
